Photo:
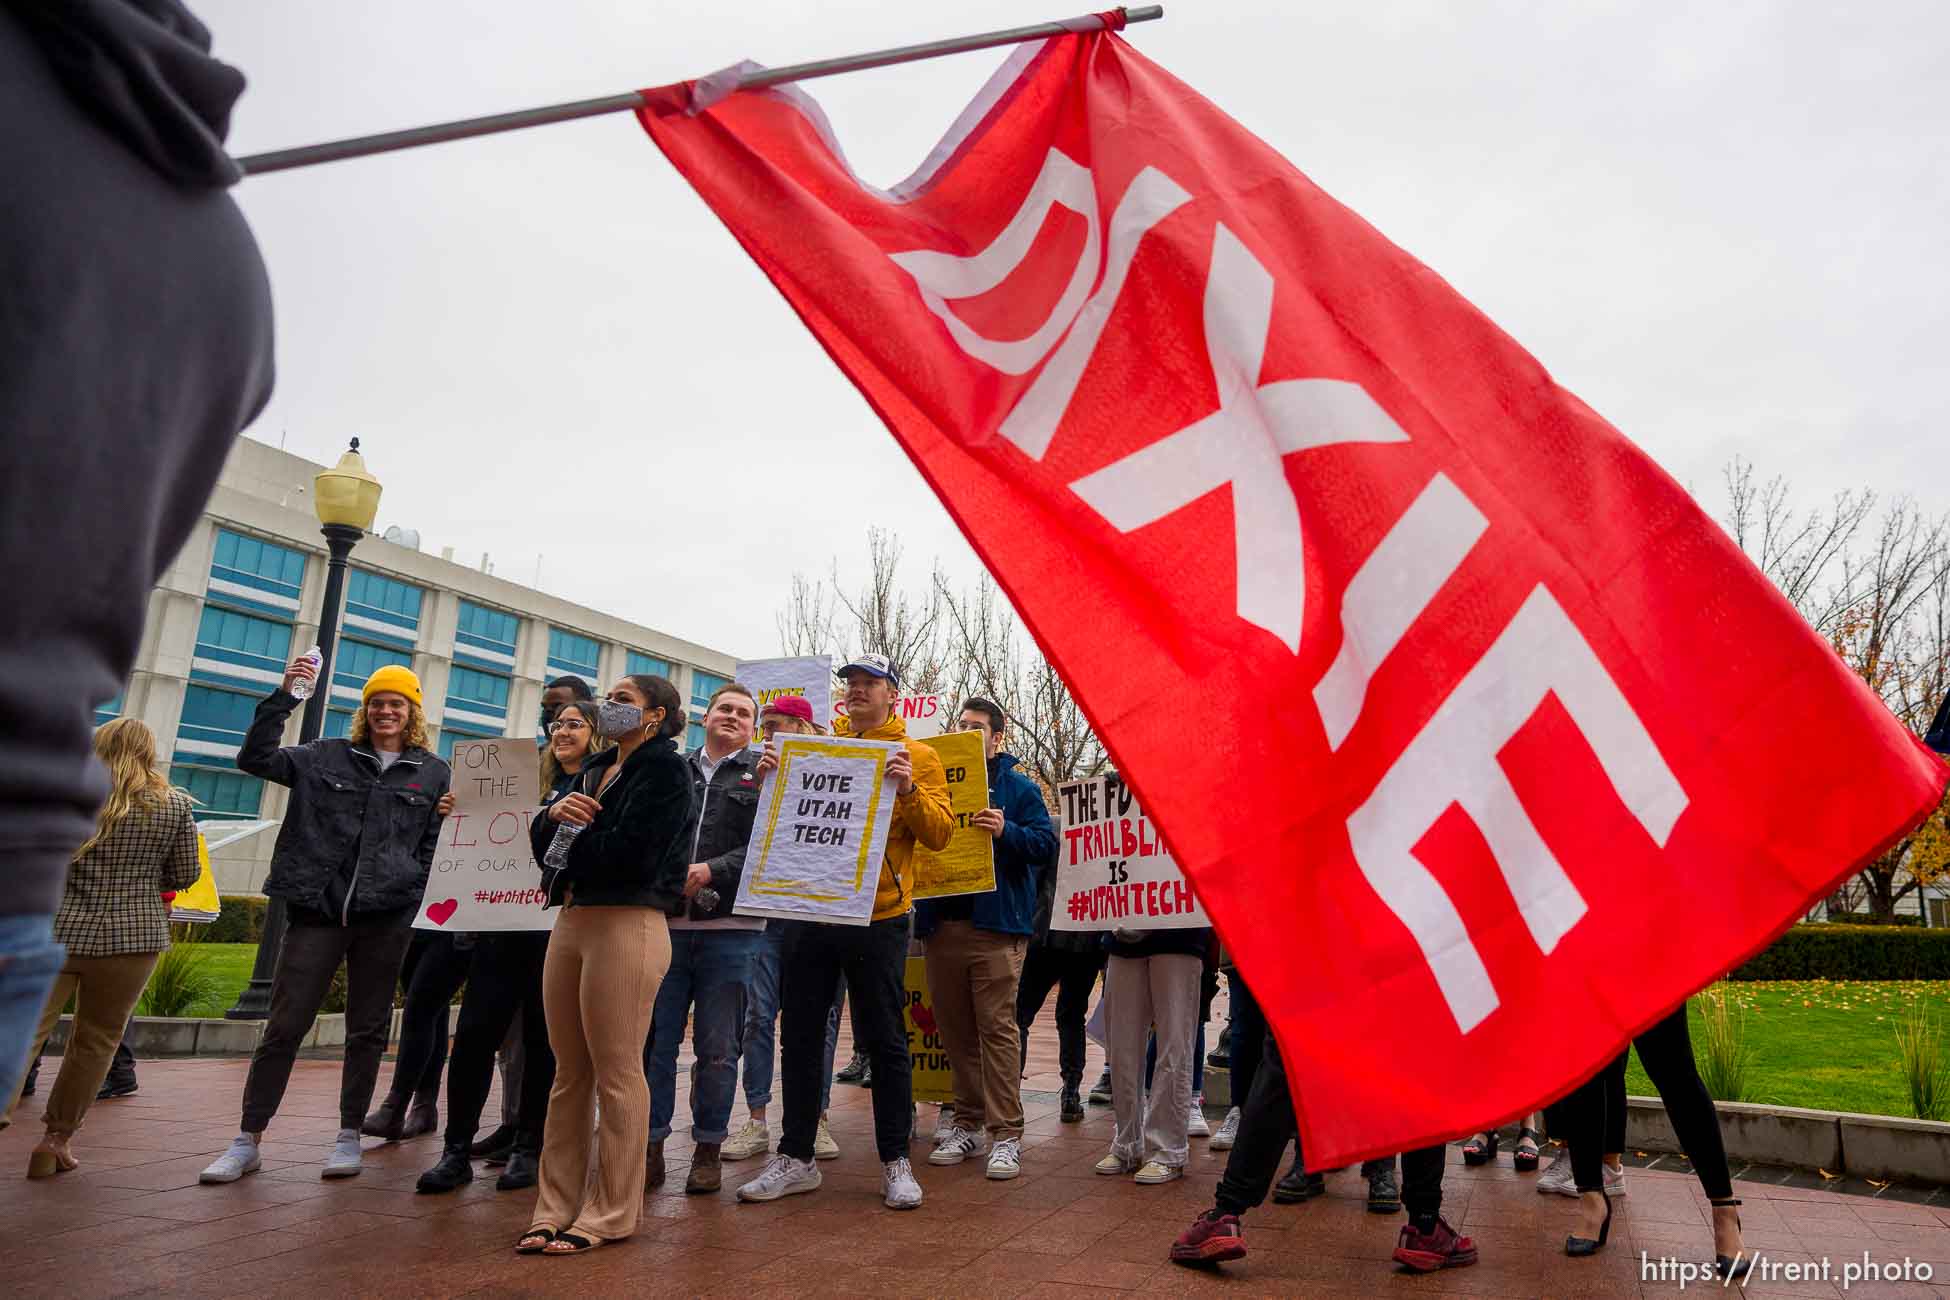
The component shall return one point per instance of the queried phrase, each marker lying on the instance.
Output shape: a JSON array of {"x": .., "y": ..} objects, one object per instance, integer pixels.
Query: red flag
[{"x": 1481, "y": 744}]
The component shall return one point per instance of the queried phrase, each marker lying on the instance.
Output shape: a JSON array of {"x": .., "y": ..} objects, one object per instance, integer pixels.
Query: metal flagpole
[{"x": 386, "y": 142}]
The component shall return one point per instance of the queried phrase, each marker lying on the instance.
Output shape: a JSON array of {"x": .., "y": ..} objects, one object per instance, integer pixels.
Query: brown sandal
[{"x": 51, "y": 1157}]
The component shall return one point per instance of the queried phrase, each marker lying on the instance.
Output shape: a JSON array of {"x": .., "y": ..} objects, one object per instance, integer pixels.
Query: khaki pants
[
  {"x": 972, "y": 978},
  {"x": 105, "y": 991},
  {"x": 599, "y": 985},
  {"x": 1140, "y": 994}
]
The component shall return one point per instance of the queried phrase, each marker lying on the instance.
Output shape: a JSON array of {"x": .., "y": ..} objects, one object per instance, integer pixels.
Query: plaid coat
[{"x": 113, "y": 904}]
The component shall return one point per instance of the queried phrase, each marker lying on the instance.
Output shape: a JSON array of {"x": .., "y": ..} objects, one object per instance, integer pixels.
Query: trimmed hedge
[
  {"x": 1869, "y": 918},
  {"x": 1853, "y": 952},
  {"x": 240, "y": 919}
]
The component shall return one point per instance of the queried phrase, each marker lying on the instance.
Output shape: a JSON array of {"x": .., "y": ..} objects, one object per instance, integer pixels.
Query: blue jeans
[
  {"x": 711, "y": 971},
  {"x": 29, "y": 961},
  {"x": 760, "y": 1047}
]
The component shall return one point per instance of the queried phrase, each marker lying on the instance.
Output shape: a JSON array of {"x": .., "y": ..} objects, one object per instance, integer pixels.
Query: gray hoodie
[{"x": 135, "y": 342}]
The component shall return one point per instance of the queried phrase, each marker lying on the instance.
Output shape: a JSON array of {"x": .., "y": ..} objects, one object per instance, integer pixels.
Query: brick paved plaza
[{"x": 133, "y": 1221}]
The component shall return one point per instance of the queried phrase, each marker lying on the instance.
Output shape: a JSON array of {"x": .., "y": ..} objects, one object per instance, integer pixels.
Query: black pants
[
  {"x": 435, "y": 968},
  {"x": 873, "y": 958},
  {"x": 1560, "y": 1118},
  {"x": 505, "y": 981},
  {"x": 1266, "y": 1125},
  {"x": 1666, "y": 1052},
  {"x": 1248, "y": 1038},
  {"x": 372, "y": 948},
  {"x": 1072, "y": 975}
]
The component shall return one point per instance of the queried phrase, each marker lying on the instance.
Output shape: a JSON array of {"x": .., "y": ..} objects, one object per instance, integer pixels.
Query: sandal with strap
[
  {"x": 1480, "y": 1150},
  {"x": 1525, "y": 1154},
  {"x": 540, "y": 1236},
  {"x": 575, "y": 1243},
  {"x": 1731, "y": 1268}
]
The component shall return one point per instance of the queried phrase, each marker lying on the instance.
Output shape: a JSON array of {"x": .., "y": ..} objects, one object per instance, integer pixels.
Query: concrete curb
[{"x": 195, "y": 1036}]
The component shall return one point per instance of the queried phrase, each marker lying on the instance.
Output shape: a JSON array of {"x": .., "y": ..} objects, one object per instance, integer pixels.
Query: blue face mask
[{"x": 615, "y": 719}]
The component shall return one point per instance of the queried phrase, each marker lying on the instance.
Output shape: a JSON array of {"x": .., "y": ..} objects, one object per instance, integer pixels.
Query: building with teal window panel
[
  {"x": 242, "y": 599},
  {"x": 702, "y": 685},
  {"x": 252, "y": 574},
  {"x": 648, "y": 665},
  {"x": 486, "y": 638},
  {"x": 382, "y": 610},
  {"x": 110, "y": 711},
  {"x": 573, "y": 654}
]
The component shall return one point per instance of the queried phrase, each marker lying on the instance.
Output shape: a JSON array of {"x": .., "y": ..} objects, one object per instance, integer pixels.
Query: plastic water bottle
[
  {"x": 302, "y": 689},
  {"x": 557, "y": 856}
]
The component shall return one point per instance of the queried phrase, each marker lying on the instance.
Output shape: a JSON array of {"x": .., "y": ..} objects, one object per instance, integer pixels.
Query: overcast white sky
[{"x": 1723, "y": 226}]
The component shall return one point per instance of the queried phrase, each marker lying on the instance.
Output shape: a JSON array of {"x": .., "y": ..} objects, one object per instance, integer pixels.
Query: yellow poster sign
[
  {"x": 934, "y": 1079},
  {"x": 967, "y": 865}
]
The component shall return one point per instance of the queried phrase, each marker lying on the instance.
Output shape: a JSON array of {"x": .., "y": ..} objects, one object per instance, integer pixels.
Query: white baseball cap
[{"x": 878, "y": 665}]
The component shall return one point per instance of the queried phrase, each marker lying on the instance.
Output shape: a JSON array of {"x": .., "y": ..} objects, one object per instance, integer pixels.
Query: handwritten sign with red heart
[{"x": 441, "y": 913}]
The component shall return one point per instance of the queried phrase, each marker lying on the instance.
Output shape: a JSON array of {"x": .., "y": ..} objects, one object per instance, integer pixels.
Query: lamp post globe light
[{"x": 346, "y": 498}]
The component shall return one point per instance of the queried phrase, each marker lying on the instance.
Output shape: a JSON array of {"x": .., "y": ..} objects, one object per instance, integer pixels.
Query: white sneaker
[
  {"x": 782, "y": 1176},
  {"x": 944, "y": 1124},
  {"x": 1228, "y": 1132},
  {"x": 1557, "y": 1178},
  {"x": 1006, "y": 1160},
  {"x": 1154, "y": 1172},
  {"x": 1615, "y": 1181},
  {"x": 1195, "y": 1124},
  {"x": 751, "y": 1140},
  {"x": 346, "y": 1159},
  {"x": 958, "y": 1146},
  {"x": 242, "y": 1158},
  {"x": 1114, "y": 1164},
  {"x": 897, "y": 1180},
  {"x": 824, "y": 1148}
]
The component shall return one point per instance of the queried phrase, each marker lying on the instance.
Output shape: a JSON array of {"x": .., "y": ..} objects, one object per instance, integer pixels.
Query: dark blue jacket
[{"x": 1025, "y": 852}]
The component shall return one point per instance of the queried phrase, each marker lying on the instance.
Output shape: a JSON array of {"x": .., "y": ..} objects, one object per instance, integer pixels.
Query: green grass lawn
[
  {"x": 1823, "y": 1044},
  {"x": 231, "y": 964}
]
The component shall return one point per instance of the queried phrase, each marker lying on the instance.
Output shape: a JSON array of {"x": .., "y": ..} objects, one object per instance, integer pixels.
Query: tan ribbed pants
[
  {"x": 105, "y": 991},
  {"x": 598, "y": 987}
]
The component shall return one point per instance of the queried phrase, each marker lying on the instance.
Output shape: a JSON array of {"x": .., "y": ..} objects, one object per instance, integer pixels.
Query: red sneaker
[
  {"x": 1213, "y": 1238},
  {"x": 1440, "y": 1247}
]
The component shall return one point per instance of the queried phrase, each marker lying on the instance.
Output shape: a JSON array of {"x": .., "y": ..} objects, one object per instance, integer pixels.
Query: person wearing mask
[
  {"x": 1068, "y": 961},
  {"x": 711, "y": 950},
  {"x": 792, "y": 715},
  {"x": 975, "y": 950},
  {"x": 873, "y": 958},
  {"x": 114, "y": 925},
  {"x": 1151, "y": 984},
  {"x": 504, "y": 1000},
  {"x": 135, "y": 344},
  {"x": 351, "y": 864},
  {"x": 1426, "y": 1243},
  {"x": 622, "y": 876}
]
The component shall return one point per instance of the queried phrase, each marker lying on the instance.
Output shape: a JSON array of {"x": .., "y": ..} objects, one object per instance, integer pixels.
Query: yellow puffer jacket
[{"x": 922, "y": 814}]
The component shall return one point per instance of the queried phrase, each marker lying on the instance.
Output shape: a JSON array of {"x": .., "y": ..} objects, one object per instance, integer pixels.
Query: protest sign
[
  {"x": 484, "y": 874},
  {"x": 807, "y": 675},
  {"x": 967, "y": 865},
  {"x": 821, "y": 830},
  {"x": 925, "y": 715},
  {"x": 1112, "y": 870},
  {"x": 933, "y": 1077}
]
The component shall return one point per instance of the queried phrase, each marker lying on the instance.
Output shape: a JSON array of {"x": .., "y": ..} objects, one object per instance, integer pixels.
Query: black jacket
[
  {"x": 355, "y": 839},
  {"x": 721, "y": 825},
  {"x": 633, "y": 854}
]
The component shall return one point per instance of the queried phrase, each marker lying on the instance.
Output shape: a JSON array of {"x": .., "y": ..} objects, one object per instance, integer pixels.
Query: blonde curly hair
[
  {"x": 416, "y": 727},
  {"x": 136, "y": 784}
]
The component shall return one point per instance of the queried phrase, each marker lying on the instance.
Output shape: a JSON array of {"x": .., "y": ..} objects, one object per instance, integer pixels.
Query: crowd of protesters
[{"x": 641, "y": 848}]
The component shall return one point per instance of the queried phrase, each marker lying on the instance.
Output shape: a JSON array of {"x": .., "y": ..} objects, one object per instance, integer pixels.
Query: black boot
[
  {"x": 453, "y": 1170},
  {"x": 495, "y": 1145},
  {"x": 422, "y": 1118},
  {"x": 1297, "y": 1184},
  {"x": 1072, "y": 1103},
  {"x": 388, "y": 1120},
  {"x": 524, "y": 1166}
]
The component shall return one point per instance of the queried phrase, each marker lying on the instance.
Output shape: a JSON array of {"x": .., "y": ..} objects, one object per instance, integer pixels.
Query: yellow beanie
[{"x": 393, "y": 677}]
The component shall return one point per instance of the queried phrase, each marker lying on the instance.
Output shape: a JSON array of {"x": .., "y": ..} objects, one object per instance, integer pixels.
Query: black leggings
[
  {"x": 432, "y": 973},
  {"x": 1560, "y": 1118},
  {"x": 1073, "y": 975},
  {"x": 1248, "y": 1037},
  {"x": 1666, "y": 1052},
  {"x": 505, "y": 982}
]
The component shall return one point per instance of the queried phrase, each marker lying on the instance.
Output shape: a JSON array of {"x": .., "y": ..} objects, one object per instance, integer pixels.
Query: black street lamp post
[{"x": 346, "y": 499}]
